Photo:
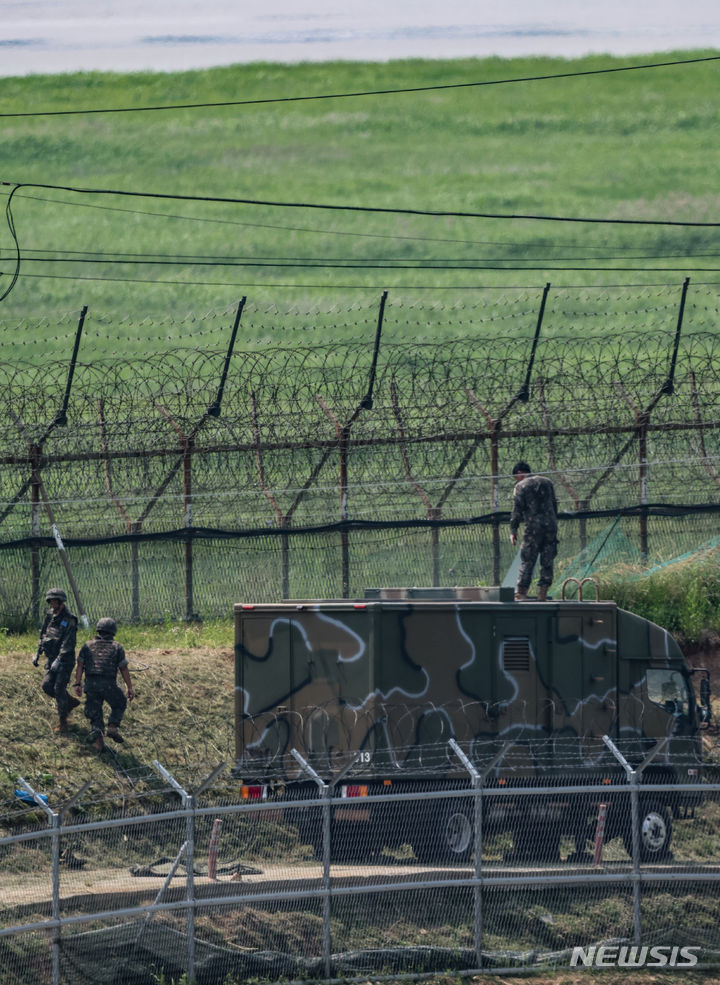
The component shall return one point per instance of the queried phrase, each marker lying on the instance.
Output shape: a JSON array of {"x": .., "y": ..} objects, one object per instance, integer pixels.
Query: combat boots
[
  {"x": 521, "y": 595},
  {"x": 99, "y": 743},
  {"x": 62, "y": 725},
  {"x": 542, "y": 593},
  {"x": 114, "y": 733}
]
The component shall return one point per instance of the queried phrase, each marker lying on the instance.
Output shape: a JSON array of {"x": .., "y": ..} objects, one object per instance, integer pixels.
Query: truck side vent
[{"x": 516, "y": 653}]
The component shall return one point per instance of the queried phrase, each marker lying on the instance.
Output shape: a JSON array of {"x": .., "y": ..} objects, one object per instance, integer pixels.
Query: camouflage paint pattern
[{"x": 393, "y": 677}]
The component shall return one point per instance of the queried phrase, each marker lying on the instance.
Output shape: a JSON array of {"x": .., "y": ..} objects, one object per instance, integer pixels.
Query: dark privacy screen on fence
[{"x": 176, "y": 468}]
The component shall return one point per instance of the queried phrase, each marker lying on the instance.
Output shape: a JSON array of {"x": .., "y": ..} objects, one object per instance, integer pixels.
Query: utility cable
[
  {"x": 439, "y": 265},
  {"x": 371, "y": 92},
  {"x": 314, "y": 229},
  {"x": 404, "y": 287},
  {"x": 383, "y": 210},
  {"x": 11, "y": 227},
  {"x": 179, "y": 259}
]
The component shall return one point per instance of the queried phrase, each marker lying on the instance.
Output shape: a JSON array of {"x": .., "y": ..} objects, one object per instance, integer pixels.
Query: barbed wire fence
[{"x": 204, "y": 470}]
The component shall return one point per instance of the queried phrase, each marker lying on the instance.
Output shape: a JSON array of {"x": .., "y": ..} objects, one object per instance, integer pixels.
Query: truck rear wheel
[
  {"x": 655, "y": 831},
  {"x": 448, "y": 834}
]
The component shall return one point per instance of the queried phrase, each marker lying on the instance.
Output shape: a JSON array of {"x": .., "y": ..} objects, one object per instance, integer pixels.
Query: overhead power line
[
  {"x": 386, "y": 210},
  {"x": 326, "y": 231},
  {"x": 97, "y": 256},
  {"x": 344, "y": 207},
  {"x": 333, "y": 285},
  {"x": 359, "y": 93},
  {"x": 369, "y": 263}
]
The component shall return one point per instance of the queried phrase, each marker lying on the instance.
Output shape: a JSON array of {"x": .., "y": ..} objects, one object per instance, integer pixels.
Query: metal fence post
[
  {"x": 35, "y": 565},
  {"x": 635, "y": 821},
  {"x": 55, "y": 850},
  {"x": 188, "y": 802},
  {"x": 632, "y": 776},
  {"x": 478, "y": 782},
  {"x": 325, "y": 791},
  {"x": 135, "y": 575},
  {"x": 188, "y": 520}
]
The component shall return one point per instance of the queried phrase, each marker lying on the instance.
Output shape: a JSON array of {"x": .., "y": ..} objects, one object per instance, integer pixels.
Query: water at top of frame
[{"x": 48, "y": 36}]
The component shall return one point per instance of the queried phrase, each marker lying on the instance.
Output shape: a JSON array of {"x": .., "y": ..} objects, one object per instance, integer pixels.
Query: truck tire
[
  {"x": 655, "y": 830},
  {"x": 448, "y": 834}
]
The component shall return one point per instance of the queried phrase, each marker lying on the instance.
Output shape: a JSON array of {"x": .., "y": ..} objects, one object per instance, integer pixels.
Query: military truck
[{"x": 376, "y": 687}]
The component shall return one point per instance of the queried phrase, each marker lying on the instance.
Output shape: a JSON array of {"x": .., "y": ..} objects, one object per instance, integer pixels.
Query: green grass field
[{"x": 619, "y": 145}]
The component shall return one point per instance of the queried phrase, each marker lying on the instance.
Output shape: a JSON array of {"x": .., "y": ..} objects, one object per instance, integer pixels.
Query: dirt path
[{"x": 112, "y": 888}]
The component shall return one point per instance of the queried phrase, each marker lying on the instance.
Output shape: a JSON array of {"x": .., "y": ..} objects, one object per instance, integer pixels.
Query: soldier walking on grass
[
  {"x": 535, "y": 505},
  {"x": 57, "y": 642},
  {"x": 101, "y": 658}
]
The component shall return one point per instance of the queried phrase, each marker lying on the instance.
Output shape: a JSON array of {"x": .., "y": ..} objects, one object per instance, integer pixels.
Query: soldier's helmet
[
  {"x": 106, "y": 626},
  {"x": 55, "y": 593}
]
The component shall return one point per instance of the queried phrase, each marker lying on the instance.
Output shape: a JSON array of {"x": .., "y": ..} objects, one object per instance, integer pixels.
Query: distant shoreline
[
  {"x": 70, "y": 36},
  {"x": 180, "y": 69}
]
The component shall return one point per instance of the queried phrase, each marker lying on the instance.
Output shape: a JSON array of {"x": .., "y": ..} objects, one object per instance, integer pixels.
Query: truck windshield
[{"x": 668, "y": 689}]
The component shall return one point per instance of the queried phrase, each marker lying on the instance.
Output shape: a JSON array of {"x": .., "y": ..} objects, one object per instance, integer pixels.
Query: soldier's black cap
[{"x": 521, "y": 467}]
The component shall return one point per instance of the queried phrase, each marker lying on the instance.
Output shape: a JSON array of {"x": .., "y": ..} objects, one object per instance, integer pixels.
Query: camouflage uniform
[
  {"x": 57, "y": 641},
  {"x": 101, "y": 659},
  {"x": 534, "y": 503}
]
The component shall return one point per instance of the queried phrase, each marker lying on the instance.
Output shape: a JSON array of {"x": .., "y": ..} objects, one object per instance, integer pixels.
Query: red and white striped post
[
  {"x": 599, "y": 834},
  {"x": 214, "y": 845}
]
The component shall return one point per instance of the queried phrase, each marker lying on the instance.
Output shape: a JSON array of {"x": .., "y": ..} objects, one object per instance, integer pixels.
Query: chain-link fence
[
  {"x": 320, "y": 468},
  {"x": 337, "y": 877},
  {"x": 202, "y": 573}
]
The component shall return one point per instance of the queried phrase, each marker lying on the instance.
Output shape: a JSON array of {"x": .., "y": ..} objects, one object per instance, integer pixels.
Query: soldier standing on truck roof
[
  {"x": 101, "y": 658},
  {"x": 535, "y": 505},
  {"x": 57, "y": 642}
]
